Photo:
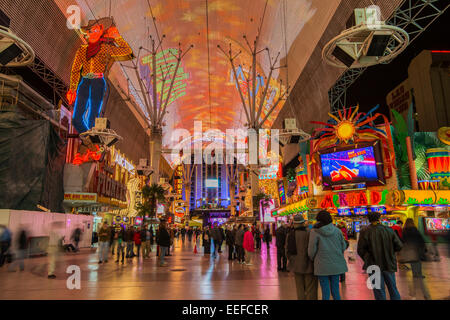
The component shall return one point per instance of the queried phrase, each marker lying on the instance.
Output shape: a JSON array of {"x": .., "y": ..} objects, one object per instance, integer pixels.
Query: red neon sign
[{"x": 87, "y": 157}]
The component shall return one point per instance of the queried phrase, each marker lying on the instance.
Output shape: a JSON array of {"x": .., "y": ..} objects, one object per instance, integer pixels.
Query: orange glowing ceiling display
[{"x": 205, "y": 88}]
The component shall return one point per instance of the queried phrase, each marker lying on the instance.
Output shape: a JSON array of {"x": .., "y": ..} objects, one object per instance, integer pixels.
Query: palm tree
[
  {"x": 151, "y": 195},
  {"x": 262, "y": 196}
]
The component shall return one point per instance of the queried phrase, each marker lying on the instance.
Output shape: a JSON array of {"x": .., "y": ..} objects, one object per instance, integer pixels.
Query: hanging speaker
[
  {"x": 378, "y": 44},
  {"x": 343, "y": 56},
  {"x": 8, "y": 52}
]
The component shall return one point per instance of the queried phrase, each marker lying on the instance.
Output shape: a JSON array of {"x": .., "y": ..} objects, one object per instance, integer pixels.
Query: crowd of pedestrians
[{"x": 313, "y": 253}]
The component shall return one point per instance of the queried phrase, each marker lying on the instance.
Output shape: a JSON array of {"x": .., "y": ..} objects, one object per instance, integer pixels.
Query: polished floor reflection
[{"x": 191, "y": 276}]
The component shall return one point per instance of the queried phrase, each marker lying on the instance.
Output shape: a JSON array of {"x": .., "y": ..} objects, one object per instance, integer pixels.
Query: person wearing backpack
[
  {"x": 300, "y": 264},
  {"x": 281, "y": 251}
]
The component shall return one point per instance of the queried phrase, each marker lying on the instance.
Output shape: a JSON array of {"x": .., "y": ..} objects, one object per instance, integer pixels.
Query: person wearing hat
[
  {"x": 92, "y": 62},
  {"x": 326, "y": 248},
  {"x": 299, "y": 262}
]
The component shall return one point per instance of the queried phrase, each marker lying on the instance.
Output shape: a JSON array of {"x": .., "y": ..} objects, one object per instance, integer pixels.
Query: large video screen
[
  {"x": 437, "y": 225},
  {"x": 355, "y": 165}
]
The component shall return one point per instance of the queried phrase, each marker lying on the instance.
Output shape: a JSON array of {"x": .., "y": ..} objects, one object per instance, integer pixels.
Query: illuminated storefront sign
[
  {"x": 354, "y": 199},
  {"x": 123, "y": 162},
  {"x": 108, "y": 187},
  {"x": 299, "y": 207},
  {"x": 88, "y": 156},
  {"x": 80, "y": 197},
  {"x": 421, "y": 197}
]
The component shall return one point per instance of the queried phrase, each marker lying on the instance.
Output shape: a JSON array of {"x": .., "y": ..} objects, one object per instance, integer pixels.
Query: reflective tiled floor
[{"x": 190, "y": 276}]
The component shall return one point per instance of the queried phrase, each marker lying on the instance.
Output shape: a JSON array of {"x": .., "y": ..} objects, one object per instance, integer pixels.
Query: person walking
[
  {"x": 129, "y": 239},
  {"x": 163, "y": 242},
  {"x": 189, "y": 233},
  {"x": 300, "y": 264},
  {"x": 54, "y": 247},
  {"x": 183, "y": 234},
  {"x": 412, "y": 251},
  {"x": 267, "y": 237},
  {"x": 222, "y": 238},
  {"x": 326, "y": 248},
  {"x": 137, "y": 242},
  {"x": 120, "y": 236},
  {"x": 103, "y": 242},
  {"x": 248, "y": 245},
  {"x": 206, "y": 241},
  {"x": 377, "y": 245},
  {"x": 172, "y": 237},
  {"x": 216, "y": 237},
  {"x": 146, "y": 242},
  {"x": 113, "y": 240},
  {"x": 280, "y": 244},
  {"x": 5, "y": 243},
  {"x": 258, "y": 238},
  {"x": 76, "y": 236},
  {"x": 21, "y": 251},
  {"x": 229, "y": 240},
  {"x": 235, "y": 248},
  {"x": 239, "y": 242}
]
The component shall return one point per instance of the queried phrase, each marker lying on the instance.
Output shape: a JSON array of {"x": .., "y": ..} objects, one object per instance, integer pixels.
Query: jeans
[
  {"x": 281, "y": 259},
  {"x": 89, "y": 99},
  {"x": 103, "y": 250},
  {"x": 138, "y": 249},
  {"x": 330, "y": 283},
  {"x": 418, "y": 282},
  {"x": 113, "y": 245},
  {"x": 146, "y": 249},
  {"x": 20, "y": 256},
  {"x": 214, "y": 247},
  {"x": 388, "y": 279},
  {"x": 120, "y": 250},
  {"x": 248, "y": 257},
  {"x": 230, "y": 252},
  {"x": 130, "y": 252},
  {"x": 241, "y": 253},
  {"x": 162, "y": 254}
]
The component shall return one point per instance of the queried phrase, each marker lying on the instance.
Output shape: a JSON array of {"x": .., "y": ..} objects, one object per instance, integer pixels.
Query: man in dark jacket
[
  {"x": 216, "y": 236},
  {"x": 230, "y": 242},
  {"x": 299, "y": 263},
  {"x": 258, "y": 238},
  {"x": 163, "y": 240},
  {"x": 280, "y": 242},
  {"x": 129, "y": 239},
  {"x": 239, "y": 242},
  {"x": 104, "y": 236},
  {"x": 377, "y": 246}
]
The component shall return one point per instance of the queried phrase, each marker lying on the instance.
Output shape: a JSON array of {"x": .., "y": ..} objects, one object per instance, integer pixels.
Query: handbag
[{"x": 408, "y": 254}]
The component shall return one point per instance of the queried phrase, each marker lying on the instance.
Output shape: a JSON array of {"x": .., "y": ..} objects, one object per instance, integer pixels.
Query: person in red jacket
[
  {"x": 249, "y": 245},
  {"x": 137, "y": 241},
  {"x": 398, "y": 229}
]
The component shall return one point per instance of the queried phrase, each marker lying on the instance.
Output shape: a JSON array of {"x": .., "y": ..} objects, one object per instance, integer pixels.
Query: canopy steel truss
[{"x": 413, "y": 16}]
